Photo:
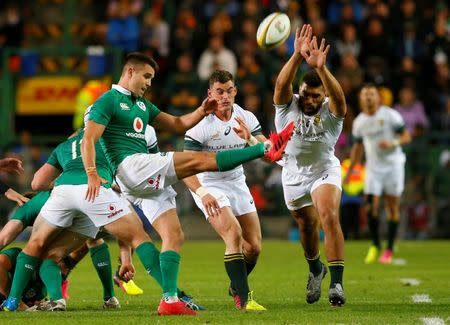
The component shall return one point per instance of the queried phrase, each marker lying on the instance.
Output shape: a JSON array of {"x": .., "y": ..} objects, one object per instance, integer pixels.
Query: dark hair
[
  {"x": 138, "y": 57},
  {"x": 311, "y": 78},
  {"x": 367, "y": 85},
  {"x": 221, "y": 76}
]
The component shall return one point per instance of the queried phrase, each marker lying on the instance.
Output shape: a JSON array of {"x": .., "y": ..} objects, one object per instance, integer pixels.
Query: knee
[
  {"x": 308, "y": 225},
  {"x": 91, "y": 243},
  {"x": 233, "y": 235},
  {"x": 55, "y": 255},
  {"x": 174, "y": 237},
  {"x": 329, "y": 218},
  {"x": 254, "y": 249}
]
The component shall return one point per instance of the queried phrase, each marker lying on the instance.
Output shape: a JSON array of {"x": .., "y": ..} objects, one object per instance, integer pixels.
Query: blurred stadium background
[{"x": 58, "y": 56}]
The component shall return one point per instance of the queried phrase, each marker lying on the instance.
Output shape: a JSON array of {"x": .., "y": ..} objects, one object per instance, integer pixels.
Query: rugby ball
[{"x": 273, "y": 30}]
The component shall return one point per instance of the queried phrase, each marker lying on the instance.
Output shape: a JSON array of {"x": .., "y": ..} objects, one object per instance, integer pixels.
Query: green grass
[{"x": 374, "y": 292}]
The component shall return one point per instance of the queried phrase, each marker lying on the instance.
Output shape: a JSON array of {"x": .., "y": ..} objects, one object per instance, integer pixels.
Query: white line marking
[
  {"x": 399, "y": 261},
  {"x": 410, "y": 281},
  {"x": 420, "y": 298},
  {"x": 432, "y": 321}
]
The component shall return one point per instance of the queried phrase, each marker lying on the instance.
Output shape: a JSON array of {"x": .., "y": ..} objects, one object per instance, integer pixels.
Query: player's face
[
  {"x": 311, "y": 99},
  {"x": 140, "y": 78},
  {"x": 369, "y": 99},
  {"x": 224, "y": 94}
]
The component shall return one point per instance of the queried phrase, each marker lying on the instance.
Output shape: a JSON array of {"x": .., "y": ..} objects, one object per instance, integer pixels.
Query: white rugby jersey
[
  {"x": 311, "y": 148},
  {"x": 213, "y": 135},
  {"x": 371, "y": 129}
]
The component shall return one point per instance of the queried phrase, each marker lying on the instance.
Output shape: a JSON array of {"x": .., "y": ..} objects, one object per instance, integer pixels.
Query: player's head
[
  {"x": 369, "y": 98},
  {"x": 311, "y": 93},
  {"x": 222, "y": 89},
  {"x": 138, "y": 72}
]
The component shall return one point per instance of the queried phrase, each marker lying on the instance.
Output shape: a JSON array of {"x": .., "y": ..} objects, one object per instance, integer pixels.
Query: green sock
[
  {"x": 170, "y": 264},
  {"x": 229, "y": 159},
  {"x": 249, "y": 265},
  {"x": 102, "y": 262},
  {"x": 392, "y": 233},
  {"x": 149, "y": 256},
  {"x": 26, "y": 265},
  {"x": 336, "y": 270},
  {"x": 235, "y": 267},
  {"x": 315, "y": 265},
  {"x": 50, "y": 273}
]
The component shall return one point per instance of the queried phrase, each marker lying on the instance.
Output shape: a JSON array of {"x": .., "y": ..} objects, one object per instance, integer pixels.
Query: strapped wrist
[
  {"x": 252, "y": 141},
  {"x": 201, "y": 192}
]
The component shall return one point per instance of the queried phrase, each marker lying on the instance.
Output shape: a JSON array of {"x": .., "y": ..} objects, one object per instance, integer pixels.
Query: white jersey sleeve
[
  {"x": 252, "y": 123},
  {"x": 150, "y": 138},
  {"x": 194, "y": 138},
  {"x": 397, "y": 122}
]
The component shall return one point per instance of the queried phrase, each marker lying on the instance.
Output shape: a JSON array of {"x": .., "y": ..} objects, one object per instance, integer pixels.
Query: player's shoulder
[{"x": 242, "y": 112}]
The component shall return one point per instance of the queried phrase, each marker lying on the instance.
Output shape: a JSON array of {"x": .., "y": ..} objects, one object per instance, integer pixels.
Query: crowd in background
[{"x": 402, "y": 46}]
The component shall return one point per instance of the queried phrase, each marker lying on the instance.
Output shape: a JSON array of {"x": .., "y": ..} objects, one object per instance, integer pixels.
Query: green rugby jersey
[
  {"x": 67, "y": 158},
  {"x": 28, "y": 212},
  {"x": 125, "y": 118}
]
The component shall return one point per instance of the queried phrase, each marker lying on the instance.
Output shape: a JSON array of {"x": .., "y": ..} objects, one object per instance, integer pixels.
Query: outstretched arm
[
  {"x": 92, "y": 133},
  {"x": 9, "y": 232},
  {"x": 283, "y": 88},
  {"x": 43, "y": 179},
  {"x": 180, "y": 124},
  {"x": 316, "y": 57}
]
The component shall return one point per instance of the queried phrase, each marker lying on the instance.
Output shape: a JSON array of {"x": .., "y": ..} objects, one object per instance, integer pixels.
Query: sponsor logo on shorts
[
  {"x": 141, "y": 105},
  {"x": 138, "y": 125},
  {"x": 113, "y": 211},
  {"x": 325, "y": 177},
  {"x": 154, "y": 182},
  {"x": 251, "y": 201},
  {"x": 124, "y": 106}
]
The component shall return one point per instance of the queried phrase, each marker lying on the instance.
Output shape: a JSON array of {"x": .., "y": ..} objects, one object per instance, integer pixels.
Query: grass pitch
[{"x": 375, "y": 294}]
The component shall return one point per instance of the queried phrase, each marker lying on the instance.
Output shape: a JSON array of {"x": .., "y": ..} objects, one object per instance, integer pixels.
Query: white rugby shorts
[
  {"x": 298, "y": 188},
  {"x": 233, "y": 193},
  {"x": 154, "y": 206},
  {"x": 390, "y": 181},
  {"x": 145, "y": 175},
  {"x": 67, "y": 207}
]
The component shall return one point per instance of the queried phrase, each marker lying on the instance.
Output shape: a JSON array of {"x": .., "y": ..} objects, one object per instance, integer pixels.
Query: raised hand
[
  {"x": 314, "y": 55},
  {"x": 242, "y": 129},
  {"x": 11, "y": 165},
  {"x": 302, "y": 38},
  {"x": 209, "y": 106}
]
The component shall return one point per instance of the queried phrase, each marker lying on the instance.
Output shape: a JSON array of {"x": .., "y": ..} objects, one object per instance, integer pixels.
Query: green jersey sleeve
[
  {"x": 152, "y": 112},
  {"x": 28, "y": 212},
  {"x": 53, "y": 160},
  {"x": 103, "y": 109}
]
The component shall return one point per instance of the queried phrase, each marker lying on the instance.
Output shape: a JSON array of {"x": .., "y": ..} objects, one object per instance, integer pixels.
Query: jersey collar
[{"x": 122, "y": 90}]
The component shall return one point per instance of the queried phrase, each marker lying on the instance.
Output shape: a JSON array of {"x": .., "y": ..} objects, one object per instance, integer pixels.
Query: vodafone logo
[{"x": 138, "y": 125}]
